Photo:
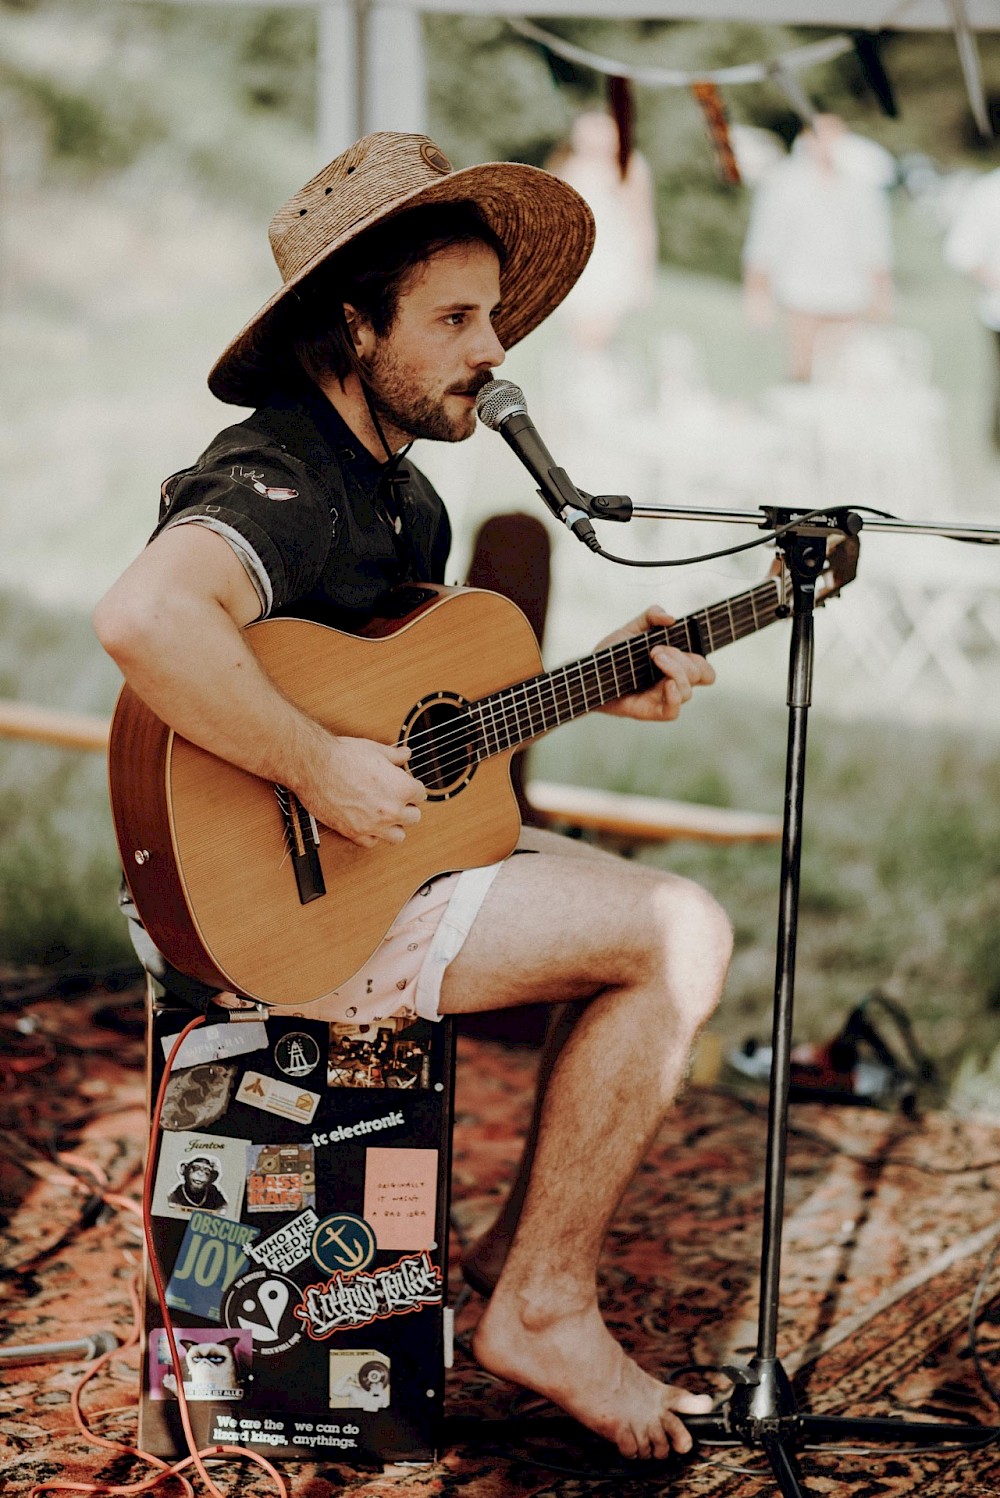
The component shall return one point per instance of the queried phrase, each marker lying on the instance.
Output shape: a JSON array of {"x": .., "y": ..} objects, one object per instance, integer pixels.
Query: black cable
[
  {"x": 711, "y": 556},
  {"x": 92, "y": 1210},
  {"x": 68, "y": 984}
]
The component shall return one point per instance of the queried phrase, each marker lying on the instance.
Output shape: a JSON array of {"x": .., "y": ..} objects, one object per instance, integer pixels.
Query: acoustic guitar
[{"x": 234, "y": 880}]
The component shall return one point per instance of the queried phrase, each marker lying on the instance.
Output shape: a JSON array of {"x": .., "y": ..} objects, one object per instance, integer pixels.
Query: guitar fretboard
[{"x": 516, "y": 714}]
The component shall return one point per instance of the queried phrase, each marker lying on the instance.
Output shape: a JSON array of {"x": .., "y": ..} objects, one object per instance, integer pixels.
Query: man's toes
[
  {"x": 660, "y": 1443},
  {"x": 677, "y": 1434},
  {"x": 628, "y": 1443}
]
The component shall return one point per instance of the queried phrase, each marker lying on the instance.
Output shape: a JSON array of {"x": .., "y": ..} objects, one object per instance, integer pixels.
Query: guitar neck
[{"x": 522, "y": 712}]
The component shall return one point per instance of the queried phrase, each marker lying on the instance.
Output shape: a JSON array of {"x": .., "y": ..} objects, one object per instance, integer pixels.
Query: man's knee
[{"x": 694, "y": 945}]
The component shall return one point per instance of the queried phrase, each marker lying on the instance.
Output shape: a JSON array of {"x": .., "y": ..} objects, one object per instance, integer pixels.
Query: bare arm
[{"x": 173, "y": 625}]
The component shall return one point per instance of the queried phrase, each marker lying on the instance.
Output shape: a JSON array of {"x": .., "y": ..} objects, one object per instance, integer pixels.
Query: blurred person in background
[
  {"x": 620, "y": 276},
  {"x": 972, "y": 246},
  {"x": 819, "y": 243}
]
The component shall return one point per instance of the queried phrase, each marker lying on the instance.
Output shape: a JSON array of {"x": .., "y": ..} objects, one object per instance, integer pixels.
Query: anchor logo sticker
[{"x": 343, "y": 1242}]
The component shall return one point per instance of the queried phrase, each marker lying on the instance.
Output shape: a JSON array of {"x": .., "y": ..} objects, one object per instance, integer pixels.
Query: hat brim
[{"x": 544, "y": 224}]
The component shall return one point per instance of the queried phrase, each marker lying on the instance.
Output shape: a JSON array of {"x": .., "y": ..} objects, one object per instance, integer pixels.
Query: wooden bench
[
  {"x": 622, "y": 821},
  {"x": 46, "y": 725},
  {"x": 625, "y": 822},
  {"x": 511, "y": 556}
]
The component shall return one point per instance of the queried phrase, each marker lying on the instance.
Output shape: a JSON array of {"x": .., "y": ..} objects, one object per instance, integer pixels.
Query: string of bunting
[
  {"x": 705, "y": 86},
  {"x": 781, "y": 71},
  {"x": 808, "y": 56}
]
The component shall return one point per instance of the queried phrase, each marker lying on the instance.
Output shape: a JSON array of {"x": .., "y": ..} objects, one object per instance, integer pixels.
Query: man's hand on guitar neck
[{"x": 682, "y": 672}]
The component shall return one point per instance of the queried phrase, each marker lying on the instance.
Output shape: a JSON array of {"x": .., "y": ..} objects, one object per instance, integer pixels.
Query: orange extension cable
[{"x": 195, "y": 1458}]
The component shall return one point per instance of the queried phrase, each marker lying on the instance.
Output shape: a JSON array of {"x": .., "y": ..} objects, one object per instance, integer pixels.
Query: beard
[{"x": 419, "y": 413}]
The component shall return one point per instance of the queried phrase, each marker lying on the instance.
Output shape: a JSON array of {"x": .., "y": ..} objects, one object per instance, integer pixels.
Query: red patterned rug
[{"x": 889, "y": 1225}]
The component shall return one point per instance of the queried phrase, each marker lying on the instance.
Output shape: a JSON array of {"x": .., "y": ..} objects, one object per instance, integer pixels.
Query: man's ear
[{"x": 359, "y": 330}]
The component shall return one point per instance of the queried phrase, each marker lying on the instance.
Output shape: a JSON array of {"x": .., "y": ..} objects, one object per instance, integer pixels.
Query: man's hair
[{"x": 371, "y": 275}]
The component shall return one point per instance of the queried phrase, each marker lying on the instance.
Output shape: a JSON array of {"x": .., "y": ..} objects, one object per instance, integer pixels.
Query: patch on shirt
[{"x": 253, "y": 478}]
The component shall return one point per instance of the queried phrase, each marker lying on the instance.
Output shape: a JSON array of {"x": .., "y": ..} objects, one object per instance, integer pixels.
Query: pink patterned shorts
[{"x": 403, "y": 975}]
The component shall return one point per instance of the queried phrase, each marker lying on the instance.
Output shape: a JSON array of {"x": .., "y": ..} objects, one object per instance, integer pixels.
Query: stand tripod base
[{"x": 759, "y": 1415}]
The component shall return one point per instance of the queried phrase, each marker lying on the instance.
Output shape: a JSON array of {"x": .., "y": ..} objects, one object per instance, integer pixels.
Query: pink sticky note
[{"x": 401, "y": 1196}]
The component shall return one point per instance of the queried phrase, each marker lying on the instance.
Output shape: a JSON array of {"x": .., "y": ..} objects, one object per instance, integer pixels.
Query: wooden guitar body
[{"x": 205, "y": 846}]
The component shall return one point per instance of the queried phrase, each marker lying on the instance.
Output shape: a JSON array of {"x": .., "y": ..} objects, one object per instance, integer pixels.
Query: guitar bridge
[{"x": 302, "y": 836}]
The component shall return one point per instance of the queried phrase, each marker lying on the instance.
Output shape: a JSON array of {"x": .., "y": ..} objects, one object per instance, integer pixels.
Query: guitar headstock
[{"x": 840, "y": 569}]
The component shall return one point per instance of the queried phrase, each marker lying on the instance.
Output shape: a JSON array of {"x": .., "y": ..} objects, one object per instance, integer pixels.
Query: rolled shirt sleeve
[{"x": 269, "y": 508}]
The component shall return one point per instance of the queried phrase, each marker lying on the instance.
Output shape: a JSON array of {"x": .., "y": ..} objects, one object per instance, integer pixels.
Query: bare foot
[{"x": 573, "y": 1360}]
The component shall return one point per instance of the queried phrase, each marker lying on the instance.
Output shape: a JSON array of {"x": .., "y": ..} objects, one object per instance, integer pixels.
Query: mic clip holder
[
  {"x": 575, "y": 507},
  {"x": 568, "y": 505},
  {"x": 607, "y": 506},
  {"x": 825, "y": 523}
]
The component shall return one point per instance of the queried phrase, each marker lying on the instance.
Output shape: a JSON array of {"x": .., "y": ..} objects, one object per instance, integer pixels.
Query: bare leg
[
  {"x": 649, "y": 951},
  {"x": 804, "y": 330},
  {"x": 484, "y": 1260}
]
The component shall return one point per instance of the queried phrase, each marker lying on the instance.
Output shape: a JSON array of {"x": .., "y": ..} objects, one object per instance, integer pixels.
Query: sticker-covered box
[{"x": 299, "y": 1207}]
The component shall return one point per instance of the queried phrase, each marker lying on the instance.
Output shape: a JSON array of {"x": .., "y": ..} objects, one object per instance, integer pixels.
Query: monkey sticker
[{"x": 200, "y": 1173}]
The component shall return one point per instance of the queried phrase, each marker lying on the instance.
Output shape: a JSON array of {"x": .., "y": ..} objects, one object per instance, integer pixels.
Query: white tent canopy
[{"x": 862, "y": 15}]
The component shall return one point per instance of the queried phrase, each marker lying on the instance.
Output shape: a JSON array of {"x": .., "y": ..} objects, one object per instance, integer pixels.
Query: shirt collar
[{"x": 351, "y": 453}]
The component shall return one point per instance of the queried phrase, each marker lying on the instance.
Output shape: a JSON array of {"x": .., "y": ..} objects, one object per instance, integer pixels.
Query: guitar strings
[
  {"x": 578, "y": 677},
  {"x": 647, "y": 640},
  {"x": 447, "y": 753},
  {"x": 569, "y": 691}
]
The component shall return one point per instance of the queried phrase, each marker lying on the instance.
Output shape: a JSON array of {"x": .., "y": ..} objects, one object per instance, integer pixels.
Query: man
[{"x": 404, "y": 283}]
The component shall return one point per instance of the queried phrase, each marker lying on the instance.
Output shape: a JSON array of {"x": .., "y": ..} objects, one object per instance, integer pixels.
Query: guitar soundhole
[{"x": 442, "y": 735}]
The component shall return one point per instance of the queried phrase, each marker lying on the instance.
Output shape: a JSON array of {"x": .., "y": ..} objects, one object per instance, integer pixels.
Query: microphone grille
[
  {"x": 102, "y": 1342},
  {"x": 498, "y": 400}
]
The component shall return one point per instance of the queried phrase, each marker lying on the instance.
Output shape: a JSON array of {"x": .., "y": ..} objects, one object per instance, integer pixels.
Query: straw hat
[{"x": 546, "y": 226}]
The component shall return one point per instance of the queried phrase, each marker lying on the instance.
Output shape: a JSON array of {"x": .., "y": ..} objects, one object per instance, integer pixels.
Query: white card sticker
[{"x": 277, "y": 1097}]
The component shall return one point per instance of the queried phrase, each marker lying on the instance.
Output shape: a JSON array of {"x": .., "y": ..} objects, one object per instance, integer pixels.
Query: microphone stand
[{"x": 761, "y": 1411}]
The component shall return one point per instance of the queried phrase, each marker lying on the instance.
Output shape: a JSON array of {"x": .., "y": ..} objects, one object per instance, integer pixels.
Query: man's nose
[{"x": 488, "y": 351}]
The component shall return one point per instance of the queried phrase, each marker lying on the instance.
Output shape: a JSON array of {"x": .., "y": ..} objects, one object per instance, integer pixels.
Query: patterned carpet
[{"x": 889, "y": 1225}]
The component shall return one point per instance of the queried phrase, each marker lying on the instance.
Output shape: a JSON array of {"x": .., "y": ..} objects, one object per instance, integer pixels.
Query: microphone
[
  {"x": 80, "y": 1351},
  {"x": 501, "y": 406}
]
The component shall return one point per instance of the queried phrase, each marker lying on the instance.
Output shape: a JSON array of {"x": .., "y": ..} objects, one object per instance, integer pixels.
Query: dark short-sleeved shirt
[{"x": 311, "y": 513}]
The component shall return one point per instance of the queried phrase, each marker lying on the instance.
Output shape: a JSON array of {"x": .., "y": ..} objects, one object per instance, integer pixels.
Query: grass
[{"x": 59, "y": 871}]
